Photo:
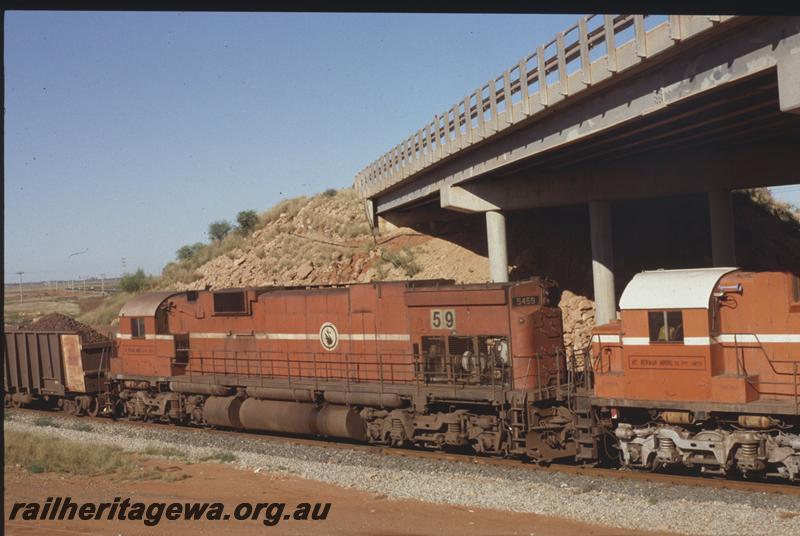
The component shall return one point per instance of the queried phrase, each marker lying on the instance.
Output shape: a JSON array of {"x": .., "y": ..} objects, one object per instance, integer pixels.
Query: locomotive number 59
[{"x": 443, "y": 319}]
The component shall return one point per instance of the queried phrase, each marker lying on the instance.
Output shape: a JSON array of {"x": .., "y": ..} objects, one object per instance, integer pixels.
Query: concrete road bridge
[{"x": 613, "y": 108}]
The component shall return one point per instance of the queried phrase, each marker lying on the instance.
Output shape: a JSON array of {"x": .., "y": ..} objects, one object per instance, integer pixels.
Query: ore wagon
[{"x": 55, "y": 368}]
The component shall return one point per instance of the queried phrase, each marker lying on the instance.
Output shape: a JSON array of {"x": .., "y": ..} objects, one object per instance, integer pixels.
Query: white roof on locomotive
[
  {"x": 145, "y": 304},
  {"x": 672, "y": 289}
]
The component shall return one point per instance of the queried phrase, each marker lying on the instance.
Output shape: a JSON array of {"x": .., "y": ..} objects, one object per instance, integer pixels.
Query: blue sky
[{"x": 127, "y": 133}]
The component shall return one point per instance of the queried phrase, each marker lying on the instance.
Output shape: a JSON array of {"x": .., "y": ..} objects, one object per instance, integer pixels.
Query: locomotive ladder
[
  {"x": 516, "y": 422},
  {"x": 586, "y": 429}
]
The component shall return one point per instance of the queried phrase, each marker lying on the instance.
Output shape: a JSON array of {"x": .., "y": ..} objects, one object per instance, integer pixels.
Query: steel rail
[{"x": 591, "y": 472}]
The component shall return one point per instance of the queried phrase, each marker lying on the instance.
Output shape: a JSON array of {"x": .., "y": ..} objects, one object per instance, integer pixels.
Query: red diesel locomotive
[{"x": 426, "y": 363}]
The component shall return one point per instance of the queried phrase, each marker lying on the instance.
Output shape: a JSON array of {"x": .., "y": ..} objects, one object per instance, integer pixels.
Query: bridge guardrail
[{"x": 522, "y": 92}]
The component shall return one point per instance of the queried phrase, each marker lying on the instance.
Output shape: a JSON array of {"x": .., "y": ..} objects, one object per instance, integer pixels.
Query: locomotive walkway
[{"x": 612, "y": 108}]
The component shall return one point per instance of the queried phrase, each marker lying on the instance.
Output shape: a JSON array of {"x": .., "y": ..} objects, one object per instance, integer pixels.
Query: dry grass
[
  {"x": 221, "y": 457},
  {"x": 39, "y": 453},
  {"x": 46, "y": 421},
  {"x": 166, "y": 452},
  {"x": 404, "y": 259},
  {"x": 107, "y": 312}
]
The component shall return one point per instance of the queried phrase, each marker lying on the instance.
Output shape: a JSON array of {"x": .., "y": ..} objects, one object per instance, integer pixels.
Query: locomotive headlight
[
  {"x": 466, "y": 361},
  {"x": 502, "y": 350}
]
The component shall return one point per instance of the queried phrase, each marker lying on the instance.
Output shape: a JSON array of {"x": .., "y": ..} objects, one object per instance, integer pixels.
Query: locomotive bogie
[{"x": 715, "y": 450}]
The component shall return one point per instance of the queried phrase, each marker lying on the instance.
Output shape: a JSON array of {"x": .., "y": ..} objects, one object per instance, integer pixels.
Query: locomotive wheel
[
  {"x": 118, "y": 409},
  {"x": 94, "y": 407},
  {"x": 70, "y": 407}
]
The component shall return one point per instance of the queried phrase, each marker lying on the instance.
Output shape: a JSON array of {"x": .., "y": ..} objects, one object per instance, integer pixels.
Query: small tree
[
  {"x": 187, "y": 252},
  {"x": 134, "y": 282},
  {"x": 247, "y": 220},
  {"x": 219, "y": 229}
]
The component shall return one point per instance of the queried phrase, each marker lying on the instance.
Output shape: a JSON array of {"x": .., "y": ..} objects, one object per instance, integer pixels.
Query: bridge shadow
[{"x": 670, "y": 232}]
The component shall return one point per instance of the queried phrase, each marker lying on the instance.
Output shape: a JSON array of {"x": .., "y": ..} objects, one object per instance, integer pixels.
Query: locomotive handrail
[
  {"x": 771, "y": 362},
  {"x": 351, "y": 367}
]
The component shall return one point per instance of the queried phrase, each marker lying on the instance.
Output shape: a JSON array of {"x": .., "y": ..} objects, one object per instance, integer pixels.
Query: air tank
[
  {"x": 222, "y": 411},
  {"x": 301, "y": 418}
]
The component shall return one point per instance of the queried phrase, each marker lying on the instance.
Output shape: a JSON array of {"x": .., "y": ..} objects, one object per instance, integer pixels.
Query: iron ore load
[{"x": 700, "y": 370}]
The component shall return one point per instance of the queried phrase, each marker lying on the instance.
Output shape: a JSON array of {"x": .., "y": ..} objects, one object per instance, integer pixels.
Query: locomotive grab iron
[{"x": 700, "y": 370}]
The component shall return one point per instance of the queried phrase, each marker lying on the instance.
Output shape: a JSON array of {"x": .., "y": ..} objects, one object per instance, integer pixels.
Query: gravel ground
[{"x": 611, "y": 502}]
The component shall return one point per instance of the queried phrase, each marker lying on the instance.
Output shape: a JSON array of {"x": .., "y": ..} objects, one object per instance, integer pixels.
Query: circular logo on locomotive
[{"x": 328, "y": 336}]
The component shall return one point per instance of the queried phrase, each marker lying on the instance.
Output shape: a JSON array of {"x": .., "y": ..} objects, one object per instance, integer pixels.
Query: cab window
[
  {"x": 137, "y": 328},
  {"x": 665, "y": 326},
  {"x": 230, "y": 303}
]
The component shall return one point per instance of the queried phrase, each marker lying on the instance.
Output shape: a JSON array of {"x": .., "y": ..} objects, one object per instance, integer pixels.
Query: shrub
[
  {"x": 330, "y": 192},
  {"x": 289, "y": 207},
  {"x": 403, "y": 259},
  {"x": 247, "y": 220},
  {"x": 134, "y": 282},
  {"x": 187, "y": 252},
  {"x": 219, "y": 230}
]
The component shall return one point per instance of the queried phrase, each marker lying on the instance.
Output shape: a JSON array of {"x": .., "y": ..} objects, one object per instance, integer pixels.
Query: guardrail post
[
  {"x": 481, "y": 112},
  {"x": 523, "y": 87},
  {"x": 493, "y": 104},
  {"x": 586, "y": 67},
  {"x": 541, "y": 76},
  {"x": 563, "y": 81},
  {"x": 507, "y": 97},
  {"x": 468, "y": 130},
  {"x": 641, "y": 38},
  {"x": 675, "y": 28},
  {"x": 611, "y": 47}
]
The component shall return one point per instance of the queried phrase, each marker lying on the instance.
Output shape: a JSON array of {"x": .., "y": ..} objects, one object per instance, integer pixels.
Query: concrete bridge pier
[
  {"x": 498, "y": 248},
  {"x": 720, "y": 212},
  {"x": 602, "y": 262},
  {"x": 463, "y": 200}
]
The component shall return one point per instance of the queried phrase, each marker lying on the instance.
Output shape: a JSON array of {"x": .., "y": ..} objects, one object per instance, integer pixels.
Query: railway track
[{"x": 592, "y": 472}]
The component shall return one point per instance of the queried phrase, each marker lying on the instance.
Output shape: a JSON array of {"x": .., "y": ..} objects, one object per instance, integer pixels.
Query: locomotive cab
[
  {"x": 702, "y": 369},
  {"x": 145, "y": 346}
]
